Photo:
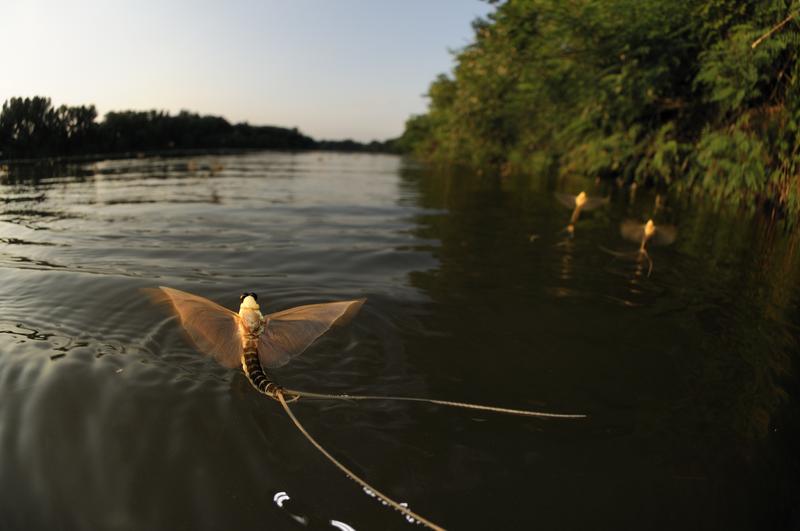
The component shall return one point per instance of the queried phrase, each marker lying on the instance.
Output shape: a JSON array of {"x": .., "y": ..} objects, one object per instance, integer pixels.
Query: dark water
[{"x": 109, "y": 420}]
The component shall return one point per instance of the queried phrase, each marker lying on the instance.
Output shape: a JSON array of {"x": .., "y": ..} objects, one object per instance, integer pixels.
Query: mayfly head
[
  {"x": 248, "y": 301},
  {"x": 580, "y": 199}
]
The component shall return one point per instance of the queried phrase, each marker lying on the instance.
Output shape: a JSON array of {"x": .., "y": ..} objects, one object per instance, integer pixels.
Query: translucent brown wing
[
  {"x": 632, "y": 230},
  {"x": 594, "y": 202},
  {"x": 565, "y": 199},
  {"x": 290, "y": 332},
  {"x": 213, "y": 329},
  {"x": 664, "y": 235}
]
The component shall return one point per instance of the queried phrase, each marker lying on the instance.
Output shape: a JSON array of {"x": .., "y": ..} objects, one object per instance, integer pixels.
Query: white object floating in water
[
  {"x": 341, "y": 525},
  {"x": 280, "y": 498}
]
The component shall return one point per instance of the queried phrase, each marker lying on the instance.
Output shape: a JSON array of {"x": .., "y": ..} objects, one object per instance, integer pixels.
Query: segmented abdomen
[{"x": 253, "y": 371}]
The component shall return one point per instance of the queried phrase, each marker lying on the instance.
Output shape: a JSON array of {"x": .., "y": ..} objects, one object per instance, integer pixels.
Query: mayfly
[
  {"x": 579, "y": 203},
  {"x": 253, "y": 341},
  {"x": 647, "y": 233}
]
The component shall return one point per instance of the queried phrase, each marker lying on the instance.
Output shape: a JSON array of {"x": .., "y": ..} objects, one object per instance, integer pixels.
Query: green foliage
[
  {"x": 662, "y": 91},
  {"x": 731, "y": 162}
]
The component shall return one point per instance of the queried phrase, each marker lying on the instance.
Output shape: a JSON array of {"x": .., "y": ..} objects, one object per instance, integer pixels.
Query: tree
[{"x": 647, "y": 90}]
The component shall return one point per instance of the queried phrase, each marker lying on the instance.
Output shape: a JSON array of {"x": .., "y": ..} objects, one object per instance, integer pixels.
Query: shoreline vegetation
[
  {"x": 31, "y": 128},
  {"x": 679, "y": 94}
]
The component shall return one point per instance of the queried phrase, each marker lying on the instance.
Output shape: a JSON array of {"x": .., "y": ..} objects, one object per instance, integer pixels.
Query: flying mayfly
[
  {"x": 647, "y": 233},
  {"x": 255, "y": 341},
  {"x": 579, "y": 203}
]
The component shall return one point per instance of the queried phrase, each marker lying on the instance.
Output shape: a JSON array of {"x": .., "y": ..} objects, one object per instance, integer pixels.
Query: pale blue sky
[{"x": 333, "y": 68}]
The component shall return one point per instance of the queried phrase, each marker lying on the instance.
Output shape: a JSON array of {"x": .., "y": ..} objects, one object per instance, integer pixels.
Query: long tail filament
[
  {"x": 279, "y": 394},
  {"x": 526, "y": 413}
]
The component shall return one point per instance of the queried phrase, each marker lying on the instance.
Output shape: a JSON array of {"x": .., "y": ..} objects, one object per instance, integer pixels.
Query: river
[{"x": 110, "y": 420}]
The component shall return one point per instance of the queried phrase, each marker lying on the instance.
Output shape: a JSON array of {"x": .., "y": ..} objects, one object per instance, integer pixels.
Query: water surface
[{"x": 110, "y": 420}]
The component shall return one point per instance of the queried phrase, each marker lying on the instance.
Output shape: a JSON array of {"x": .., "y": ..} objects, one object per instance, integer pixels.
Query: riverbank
[{"x": 682, "y": 95}]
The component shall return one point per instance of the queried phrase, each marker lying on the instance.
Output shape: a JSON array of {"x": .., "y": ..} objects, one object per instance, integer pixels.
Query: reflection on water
[{"x": 109, "y": 420}]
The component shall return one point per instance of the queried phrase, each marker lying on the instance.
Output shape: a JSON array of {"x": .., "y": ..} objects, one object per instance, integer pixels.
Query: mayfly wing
[
  {"x": 289, "y": 332},
  {"x": 565, "y": 199},
  {"x": 213, "y": 329},
  {"x": 664, "y": 235},
  {"x": 594, "y": 202},
  {"x": 632, "y": 230}
]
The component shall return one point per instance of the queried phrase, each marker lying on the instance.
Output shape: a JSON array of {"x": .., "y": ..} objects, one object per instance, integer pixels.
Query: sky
[{"x": 333, "y": 68}]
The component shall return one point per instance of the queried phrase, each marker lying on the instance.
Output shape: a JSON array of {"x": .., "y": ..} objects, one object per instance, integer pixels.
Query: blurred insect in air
[
  {"x": 647, "y": 233},
  {"x": 658, "y": 204},
  {"x": 255, "y": 341},
  {"x": 578, "y": 203}
]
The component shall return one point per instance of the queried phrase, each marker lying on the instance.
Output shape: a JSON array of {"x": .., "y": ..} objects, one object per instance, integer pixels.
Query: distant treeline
[
  {"x": 687, "y": 93},
  {"x": 32, "y": 127},
  {"x": 386, "y": 146}
]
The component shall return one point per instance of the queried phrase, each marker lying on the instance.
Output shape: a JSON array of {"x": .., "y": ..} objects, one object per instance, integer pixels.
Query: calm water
[{"x": 109, "y": 420}]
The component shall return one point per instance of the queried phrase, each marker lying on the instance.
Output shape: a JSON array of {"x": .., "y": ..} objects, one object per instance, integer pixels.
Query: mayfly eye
[
  {"x": 254, "y": 296},
  {"x": 242, "y": 296}
]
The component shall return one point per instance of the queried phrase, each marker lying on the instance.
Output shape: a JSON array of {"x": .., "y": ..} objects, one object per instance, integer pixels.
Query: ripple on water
[{"x": 109, "y": 419}]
